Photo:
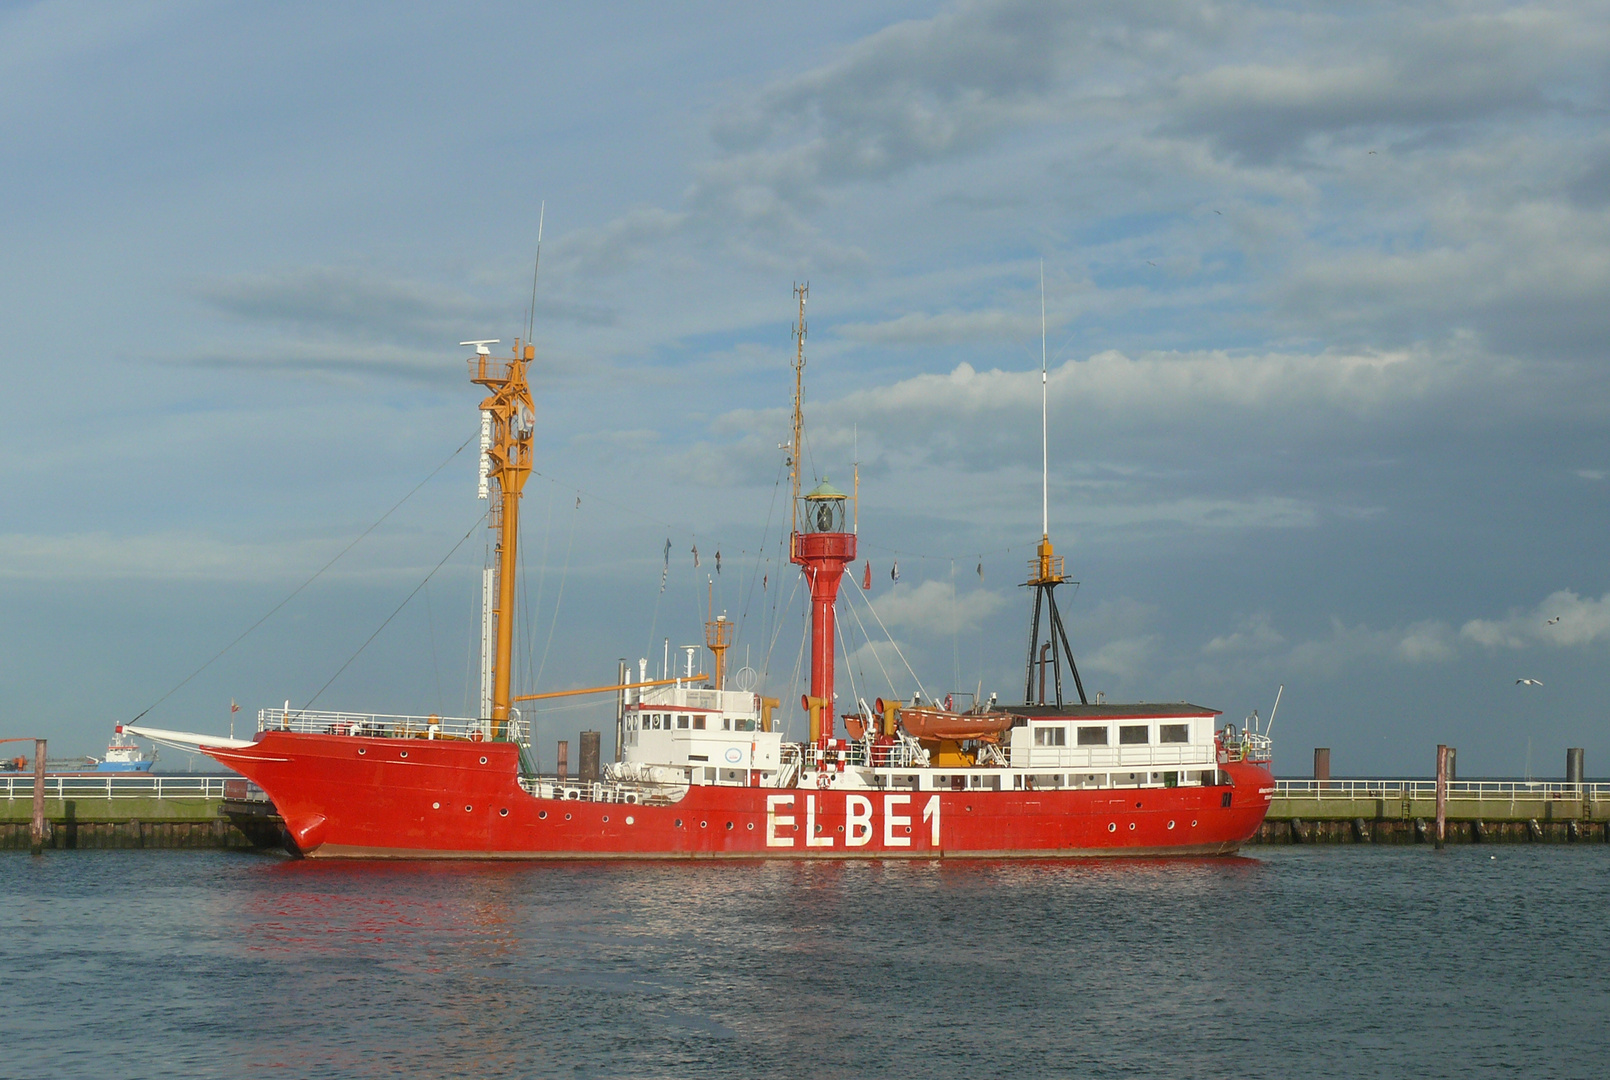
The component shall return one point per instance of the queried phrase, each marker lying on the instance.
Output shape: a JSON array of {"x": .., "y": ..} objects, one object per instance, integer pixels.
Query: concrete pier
[
  {"x": 134, "y": 811},
  {"x": 1405, "y": 812}
]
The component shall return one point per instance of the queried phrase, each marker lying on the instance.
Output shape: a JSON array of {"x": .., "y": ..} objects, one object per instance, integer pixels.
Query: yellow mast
[
  {"x": 717, "y": 638},
  {"x": 508, "y": 464}
]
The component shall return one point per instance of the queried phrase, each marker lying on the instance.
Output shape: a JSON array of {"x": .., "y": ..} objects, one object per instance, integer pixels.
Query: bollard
[
  {"x": 587, "y": 769},
  {"x": 564, "y": 759},
  {"x": 36, "y": 828},
  {"x": 1442, "y": 795},
  {"x": 1574, "y": 760}
]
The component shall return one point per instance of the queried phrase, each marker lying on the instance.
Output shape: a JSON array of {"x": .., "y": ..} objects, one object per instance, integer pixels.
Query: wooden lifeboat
[{"x": 924, "y": 723}]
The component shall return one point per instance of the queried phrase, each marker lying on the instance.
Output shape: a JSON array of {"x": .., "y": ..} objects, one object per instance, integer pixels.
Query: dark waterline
[{"x": 1294, "y": 962}]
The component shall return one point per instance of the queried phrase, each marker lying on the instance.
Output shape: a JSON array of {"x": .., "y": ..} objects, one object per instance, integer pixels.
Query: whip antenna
[{"x": 531, "y": 312}]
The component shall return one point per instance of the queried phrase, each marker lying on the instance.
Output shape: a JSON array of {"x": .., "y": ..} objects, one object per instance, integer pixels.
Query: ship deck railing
[
  {"x": 600, "y": 791},
  {"x": 377, "y": 725},
  {"x": 1247, "y": 746},
  {"x": 1487, "y": 790},
  {"x": 132, "y": 786}
]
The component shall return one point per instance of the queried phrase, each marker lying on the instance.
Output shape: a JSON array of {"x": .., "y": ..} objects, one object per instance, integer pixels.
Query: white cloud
[
  {"x": 918, "y": 328},
  {"x": 176, "y": 556},
  {"x": 935, "y": 607},
  {"x": 1256, "y": 634},
  {"x": 1429, "y": 641},
  {"x": 1564, "y": 619}
]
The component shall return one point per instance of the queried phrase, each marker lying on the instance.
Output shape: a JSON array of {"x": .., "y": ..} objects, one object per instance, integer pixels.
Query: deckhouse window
[
  {"x": 698, "y": 722},
  {"x": 1092, "y": 736},
  {"x": 1133, "y": 734},
  {"x": 681, "y": 721},
  {"x": 1173, "y": 733},
  {"x": 1050, "y": 736}
]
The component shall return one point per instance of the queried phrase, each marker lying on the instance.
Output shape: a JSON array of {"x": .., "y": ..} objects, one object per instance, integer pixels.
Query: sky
[{"x": 1326, "y": 312}]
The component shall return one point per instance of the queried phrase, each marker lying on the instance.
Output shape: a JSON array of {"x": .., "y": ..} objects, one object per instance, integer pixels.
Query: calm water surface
[{"x": 1294, "y": 962}]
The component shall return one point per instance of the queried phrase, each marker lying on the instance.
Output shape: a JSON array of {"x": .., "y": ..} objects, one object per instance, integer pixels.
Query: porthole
[
  {"x": 362, "y": 750},
  {"x": 1131, "y": 826},
  {"x": 818, "y": 828},
  {"x": 543, "y": 814},
  {"x": 606, "y": 819},
  {"x": 729, "y": 826},
  {"x": 679, "y": 823},
  {"x": 969, "y": 809},
  {"x": 567, "y": 817},
  {"x": 1193, "y": 824},
  {"x": 630, "y": 820},
  {"x": 468, "y": 808},
  {"x": 1137, "y": 806},
  {"x": 1112, "y": 826},
  {"x": 402, "y": 753},
  {"x": 503, "y": 811},
  {"x": 435, "y": 806},
  {"x": 908, "y": 828},
  {"x": 702, "y": 824},
  {"x": 483, "y": 759},
  {"x": 752, "y": 827},
  {"x": 841, "y": 828},
  {"x": 1171, "y": 824}
]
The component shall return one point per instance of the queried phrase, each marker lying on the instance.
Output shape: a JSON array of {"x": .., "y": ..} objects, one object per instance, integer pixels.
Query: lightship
[{"x": 703, "y": 770}]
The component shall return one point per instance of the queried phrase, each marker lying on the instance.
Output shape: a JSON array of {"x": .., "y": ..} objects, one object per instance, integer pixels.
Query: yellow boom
[{"x": 611, "y": 689}]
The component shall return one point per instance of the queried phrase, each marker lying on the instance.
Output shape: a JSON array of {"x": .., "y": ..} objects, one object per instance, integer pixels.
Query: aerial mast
[{"x": 1046, "y": 570}]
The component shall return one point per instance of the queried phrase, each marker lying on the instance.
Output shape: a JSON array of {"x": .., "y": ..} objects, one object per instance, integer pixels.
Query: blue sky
[{"x": 1328, "y": 295}]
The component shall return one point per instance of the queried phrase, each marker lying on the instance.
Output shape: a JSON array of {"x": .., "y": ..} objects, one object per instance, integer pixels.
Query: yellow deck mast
[{"x": 508, "y": 465}]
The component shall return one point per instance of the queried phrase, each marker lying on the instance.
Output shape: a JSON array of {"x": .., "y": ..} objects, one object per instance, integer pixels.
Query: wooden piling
[
  {"x": 36, "y": 827},
  {"x": 1442, "y": 795},
  {"x": 564, "y": 759}
]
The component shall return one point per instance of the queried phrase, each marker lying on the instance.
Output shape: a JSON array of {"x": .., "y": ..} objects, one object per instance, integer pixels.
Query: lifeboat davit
[{"x": 932, "y": 723}]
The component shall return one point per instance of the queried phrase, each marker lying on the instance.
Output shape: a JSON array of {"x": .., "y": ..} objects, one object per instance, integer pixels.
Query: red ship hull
[{"x": 357, "y": 797}]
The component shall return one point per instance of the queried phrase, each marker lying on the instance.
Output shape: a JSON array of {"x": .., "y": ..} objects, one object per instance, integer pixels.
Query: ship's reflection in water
[{"x": 1353, "y": 960}]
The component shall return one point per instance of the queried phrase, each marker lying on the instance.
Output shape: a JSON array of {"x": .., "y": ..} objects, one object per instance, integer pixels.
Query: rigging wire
[
  {"x": 378, "y": 522},
  {"x": 559, "y": 599},
  {"x": 436, "y": 667},
  {"x": 399, "y": 608},
  {"x": 920, "y": 688},
  {"x": 893, "y": 689}
]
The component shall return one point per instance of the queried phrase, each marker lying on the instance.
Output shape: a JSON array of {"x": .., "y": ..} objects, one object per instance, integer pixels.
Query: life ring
[
  {"x": 824, "y": 781},
  {"x": 477, "y": 735}
]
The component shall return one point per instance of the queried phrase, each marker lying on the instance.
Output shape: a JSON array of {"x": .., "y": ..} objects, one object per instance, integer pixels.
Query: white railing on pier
[
  {"x": 1494, "y": 790},
  {"x": 132, "y": 786},
  {"x": 373, "y": 725}
]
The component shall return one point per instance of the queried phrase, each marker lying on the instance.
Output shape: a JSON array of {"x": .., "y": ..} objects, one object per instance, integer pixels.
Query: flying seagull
[
  {"x": 1219, "y": 212},
  {"x": 1150, "y": 263},
  {"x": 1528, "y": 682},
  {"x": 1554, "y": 620}
]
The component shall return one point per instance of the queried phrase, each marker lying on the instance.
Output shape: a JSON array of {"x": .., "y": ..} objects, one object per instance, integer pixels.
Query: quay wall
[{"x": 1317, "y": 815}]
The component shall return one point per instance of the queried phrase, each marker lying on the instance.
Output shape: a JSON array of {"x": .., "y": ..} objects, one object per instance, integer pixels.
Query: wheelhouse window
[
  {"x": 1173, "y": 733},
  {"x": 698, "y": 722},
  {"x": 682, "y": 721},
  {"x": 1093, "y": 736},
  {"x": 1133, "y": 734},
  {"x": 1050, "y": 736}
]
